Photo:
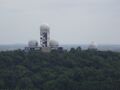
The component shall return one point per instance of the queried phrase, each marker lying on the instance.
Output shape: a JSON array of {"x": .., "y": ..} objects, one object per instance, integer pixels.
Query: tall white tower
[{"x": 44, "y": 35}]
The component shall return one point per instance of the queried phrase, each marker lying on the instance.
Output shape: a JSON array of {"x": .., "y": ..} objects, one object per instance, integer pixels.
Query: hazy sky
[{"x": 71, "y": 21}]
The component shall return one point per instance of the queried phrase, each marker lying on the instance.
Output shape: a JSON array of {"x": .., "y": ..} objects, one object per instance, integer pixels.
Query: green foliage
[{"x": 60, "y": 70}]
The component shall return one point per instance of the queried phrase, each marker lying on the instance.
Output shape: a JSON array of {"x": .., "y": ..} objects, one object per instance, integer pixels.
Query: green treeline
[{"x": 60, "y": 70}]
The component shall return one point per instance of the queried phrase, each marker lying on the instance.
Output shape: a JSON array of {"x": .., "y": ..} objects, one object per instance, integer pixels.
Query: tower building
[
  {"x": 46, "y": 45},
  {"x": 44, "y": 35}
]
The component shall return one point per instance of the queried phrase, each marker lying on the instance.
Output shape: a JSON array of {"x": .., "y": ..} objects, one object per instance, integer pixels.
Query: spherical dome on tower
[
  {"x": 53, "y": 44},
  {"x": 44, "y": 27},
  {"x": 33, "y": 43},
  {"x": 93, "y": 45}
]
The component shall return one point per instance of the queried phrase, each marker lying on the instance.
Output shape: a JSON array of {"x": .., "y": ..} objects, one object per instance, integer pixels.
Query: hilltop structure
[
  {"x": 92, "y": 46},
  {"x": 46, "y": 45}
]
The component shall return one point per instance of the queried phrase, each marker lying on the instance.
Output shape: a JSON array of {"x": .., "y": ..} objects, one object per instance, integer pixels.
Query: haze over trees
[{"x": 60, "y": 70}]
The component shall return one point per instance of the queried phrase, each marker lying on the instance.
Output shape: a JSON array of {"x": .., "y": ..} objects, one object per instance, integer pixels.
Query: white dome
[
  {"x": 44, "y": 27},
  {"x": 33, "y": 43},
  {"x": 53, "y": 44},
  {"x": 93, "y": 45}
]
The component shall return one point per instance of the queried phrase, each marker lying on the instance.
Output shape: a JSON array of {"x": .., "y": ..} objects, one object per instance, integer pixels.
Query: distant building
[
  {"x": 46, "y": 49},
  {"x": 44, "y": 35},
  {"x": 53, "y": 44},
  {"x": 46, "y": 45},
  {"x": 32, "y": 45},
  {"x": 92, "y": 46}
]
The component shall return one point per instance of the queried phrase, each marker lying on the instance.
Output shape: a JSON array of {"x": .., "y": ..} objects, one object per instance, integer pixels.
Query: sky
[{"x": 70, "y": 21}]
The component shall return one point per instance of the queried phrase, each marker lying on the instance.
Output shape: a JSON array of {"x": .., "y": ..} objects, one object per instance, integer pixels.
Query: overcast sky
[{"x": 71, "y": 21}]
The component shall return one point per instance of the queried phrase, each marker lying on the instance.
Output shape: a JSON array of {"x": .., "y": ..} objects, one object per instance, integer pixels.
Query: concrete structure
[
  {"x": 32, "y": 45},
  {"x": 46, "y": 49},
  {"x": 44, "y": 35},
  {"x": 53, "y": 44},
  {"x": 92, "y": 46},
  {"x": 45, "y": 44}
]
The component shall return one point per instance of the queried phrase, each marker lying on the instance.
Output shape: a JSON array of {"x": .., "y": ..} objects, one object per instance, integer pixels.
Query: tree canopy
[{"x": 60, "y": 70}]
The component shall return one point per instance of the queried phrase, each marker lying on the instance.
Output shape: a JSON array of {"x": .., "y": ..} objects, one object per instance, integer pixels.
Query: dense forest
[{"x": 60, "y": 70}]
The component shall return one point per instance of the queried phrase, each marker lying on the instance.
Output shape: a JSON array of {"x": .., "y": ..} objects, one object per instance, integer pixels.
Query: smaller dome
[
  {"x": 93, "y": 45},
  {"x": 33, "y": 43},
  {"x": 53, "y": 44},
  {"x": 44, "y": 27}
]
